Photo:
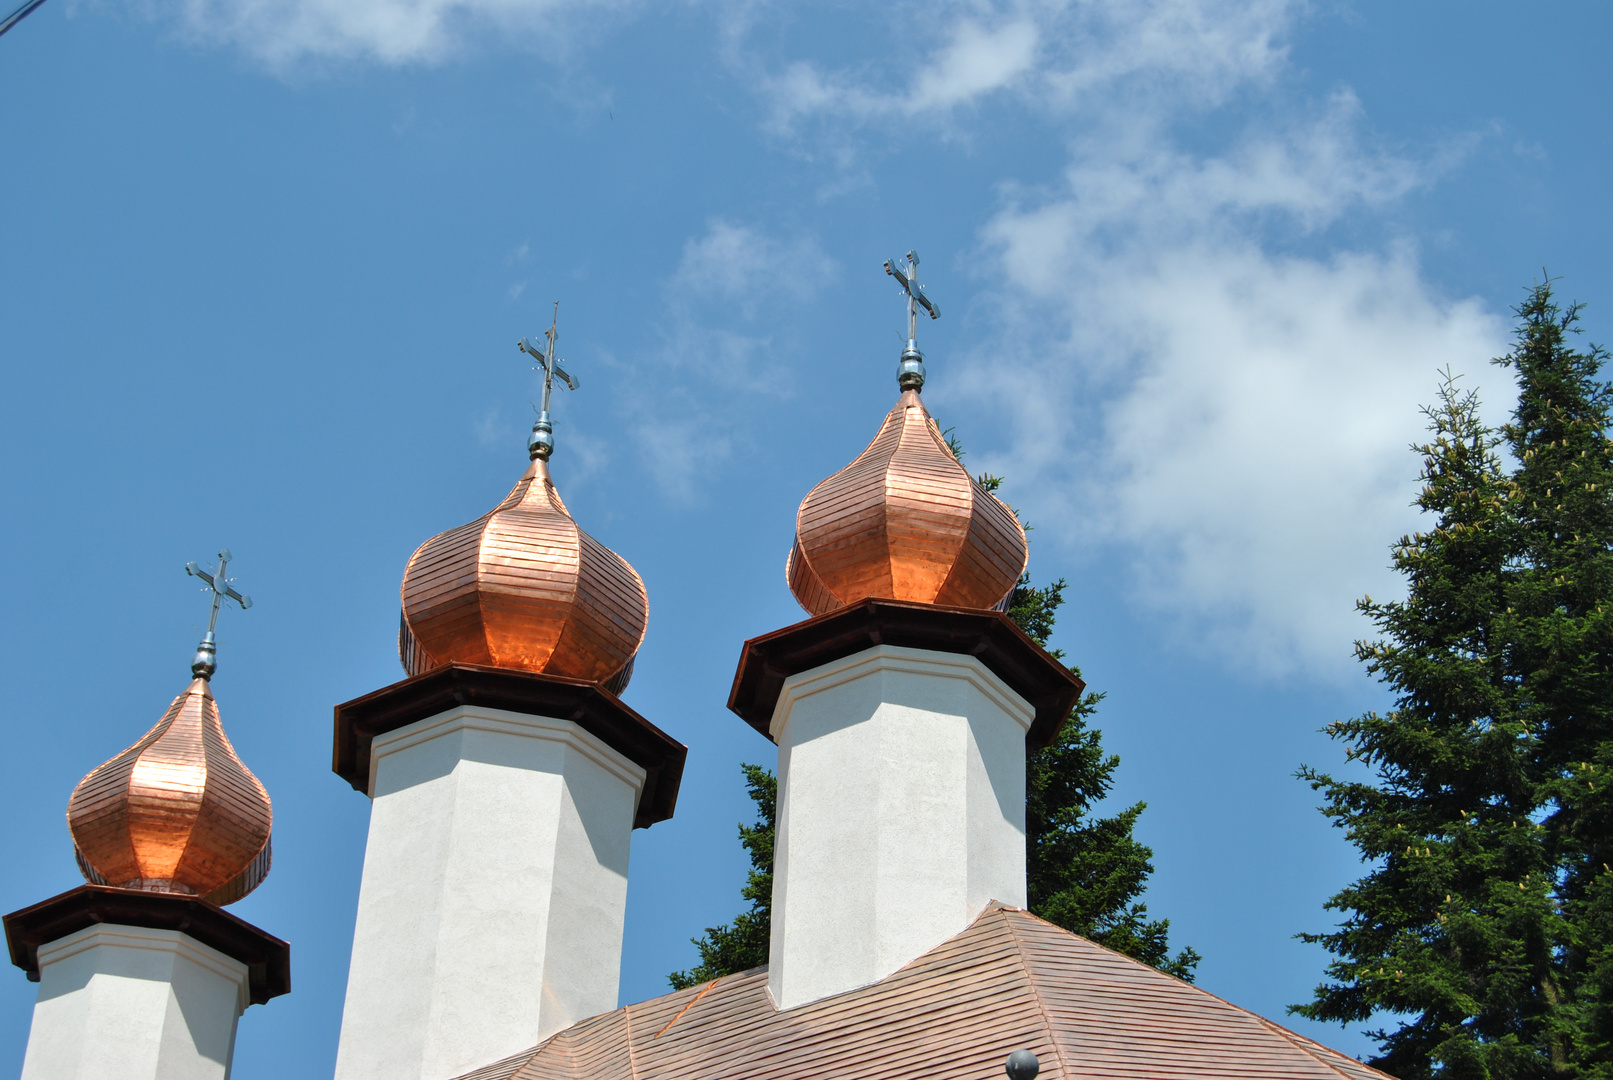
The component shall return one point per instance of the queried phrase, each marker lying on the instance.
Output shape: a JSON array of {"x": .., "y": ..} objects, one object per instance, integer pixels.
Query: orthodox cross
[
  {"x": 907, "y": 278},
  {"x": 205, "y": 662},
  {"x": 541, "y": 442},
  {"x": 910, "y": 375}
]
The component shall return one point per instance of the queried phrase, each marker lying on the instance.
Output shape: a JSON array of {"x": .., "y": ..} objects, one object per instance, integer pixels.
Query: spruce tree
[
  {"x": 1437, "y": 930},
  {"x": 1483, "y": 927},
  {"x": 1560, "y": 605},
  {"x": 1084, "y": 873}
]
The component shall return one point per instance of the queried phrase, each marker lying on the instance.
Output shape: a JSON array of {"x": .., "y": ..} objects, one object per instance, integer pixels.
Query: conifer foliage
[
  {"x": 1084, "y": 873},
  {"x": 1485, "y": 927}
]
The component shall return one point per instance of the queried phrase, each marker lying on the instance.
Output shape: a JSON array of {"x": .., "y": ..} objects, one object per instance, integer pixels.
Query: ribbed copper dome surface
[
  {"x": 523, "y": 587},
  {"x": 176, "y": 812},
  {"x": 905, "y": 521}
]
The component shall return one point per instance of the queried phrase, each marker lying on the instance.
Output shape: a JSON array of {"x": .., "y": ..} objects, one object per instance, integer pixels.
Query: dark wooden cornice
[
  {"x": 1045, "y": 684},
  {"x": 588, "y": 705},
  {"x": 267, "y": 958}
]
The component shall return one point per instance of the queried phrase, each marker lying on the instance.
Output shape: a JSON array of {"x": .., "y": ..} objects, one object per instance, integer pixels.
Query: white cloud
[
  {"x": 738, "y": 264},
  {"x": 1194, "y": 380},
  {"x": 1194, "y": 373},
  {"x": 1230, "y": 419},
  {"x": 1257, "y": 467},
  {"x": 977, "y": 60},
  {"x": 1055, "y": 55},
  {"x": 284, "y": 33},
  {"x": 730, "y": 305},
  {"x": 734, "y": 286}
]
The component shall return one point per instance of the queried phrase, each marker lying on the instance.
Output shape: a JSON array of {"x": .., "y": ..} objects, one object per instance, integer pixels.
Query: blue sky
[{"x": 263, "y": 264}]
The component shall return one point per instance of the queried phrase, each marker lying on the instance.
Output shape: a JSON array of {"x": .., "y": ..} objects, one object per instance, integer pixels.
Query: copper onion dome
[
  {"x": 523, "y": 586},
  {"x": 178, "y": 811},
  {"x": 905, "y": 521}
]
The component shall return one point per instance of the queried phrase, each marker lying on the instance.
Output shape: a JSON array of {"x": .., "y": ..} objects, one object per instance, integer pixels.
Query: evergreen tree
[
  {"x": 1083, "y": 873},
  {"x": 1561, "y": 605},
  {"x": 1437, "y": 930},
  {"x": 1484, "y": 924}
]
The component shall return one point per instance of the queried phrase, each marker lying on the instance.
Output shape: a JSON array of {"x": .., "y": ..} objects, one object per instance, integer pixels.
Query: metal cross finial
[
  {"x": 541, "y": 442},
  {"x": 910, "y": 374},
  {"x": 205, "y": 661}
]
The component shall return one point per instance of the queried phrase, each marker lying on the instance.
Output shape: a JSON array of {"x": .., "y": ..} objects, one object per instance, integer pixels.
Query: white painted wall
[
  {"x": 901, "y": 814},
  {"x": 129, "y": 1003},
  {"x": 495, "y": 887}
]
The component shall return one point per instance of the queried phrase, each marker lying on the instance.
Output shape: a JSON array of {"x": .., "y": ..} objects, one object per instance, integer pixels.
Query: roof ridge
[
  {"x": 1030, "y": 982},
  {"x": 687, "y": 1005},
  {"x": 1121, "y": 955},
  {"x": 1310, "y": 1046},
  {"x": 1293, "y": 1038},
  {"x": 492, "y": 1070},
  {"x": 627, "y": 1034}
]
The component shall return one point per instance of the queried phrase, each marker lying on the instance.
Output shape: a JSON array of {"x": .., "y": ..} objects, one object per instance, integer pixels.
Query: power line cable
[{"x": 20, "y": 14}]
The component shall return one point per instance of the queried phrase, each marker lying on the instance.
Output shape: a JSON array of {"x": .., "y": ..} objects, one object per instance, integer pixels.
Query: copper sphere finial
[
  {"x": 905, "y": 521},
  {"x": 524, "y": 587},
  {"x": 177, "y": 811}
]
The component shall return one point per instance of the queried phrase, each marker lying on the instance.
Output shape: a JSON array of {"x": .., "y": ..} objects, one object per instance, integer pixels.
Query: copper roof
[
  {"x": 905, "y": 520},
  {"x": 175, "y": 812},
  {"x": 524, "y": 587},
  {"x": 1049, "y": 687},
  {"x": 1008, "y": 982},
  {"x": 588, "y": 705}
]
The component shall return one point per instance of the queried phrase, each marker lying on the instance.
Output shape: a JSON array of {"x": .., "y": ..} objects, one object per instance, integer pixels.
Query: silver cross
[
  {"x": 910, "y": 374},
  {"x": 541, "y": 442},
  {"x": 205, "y": 661}
]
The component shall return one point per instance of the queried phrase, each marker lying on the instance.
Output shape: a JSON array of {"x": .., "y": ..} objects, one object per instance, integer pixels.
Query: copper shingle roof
[{"x": 1011, "y": 981}]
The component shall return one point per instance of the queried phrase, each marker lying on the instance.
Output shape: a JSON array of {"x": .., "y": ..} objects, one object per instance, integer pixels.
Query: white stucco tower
[
  {"x": 142, "y": 975},
  {"x": 495, "y": 875},
  {"x": 506, "y": 778},
  {"x": 903, "y": 709},
  {"x": 143, "y": 985},
  {"x": 902, "y": 730}
]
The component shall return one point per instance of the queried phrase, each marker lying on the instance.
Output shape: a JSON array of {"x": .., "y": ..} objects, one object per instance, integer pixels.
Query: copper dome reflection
[
  {"x": 176, "y": 812},
  {"x": 905, "y": 521},
  {"x": 523, "y": 587}
]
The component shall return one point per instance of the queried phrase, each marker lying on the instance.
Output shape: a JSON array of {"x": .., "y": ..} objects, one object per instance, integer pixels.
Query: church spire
[
  {"x": 905, "y": 521},
  {"x": 178, "y": 812},
  {"x": 523, "y": 586}
]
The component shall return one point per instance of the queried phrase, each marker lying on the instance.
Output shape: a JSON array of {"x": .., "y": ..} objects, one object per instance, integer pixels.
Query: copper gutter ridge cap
[
  {"x": 267, "y": 958},
  {"x": 1005, "y": 650},
  {"x": 587, "y": 704}
]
